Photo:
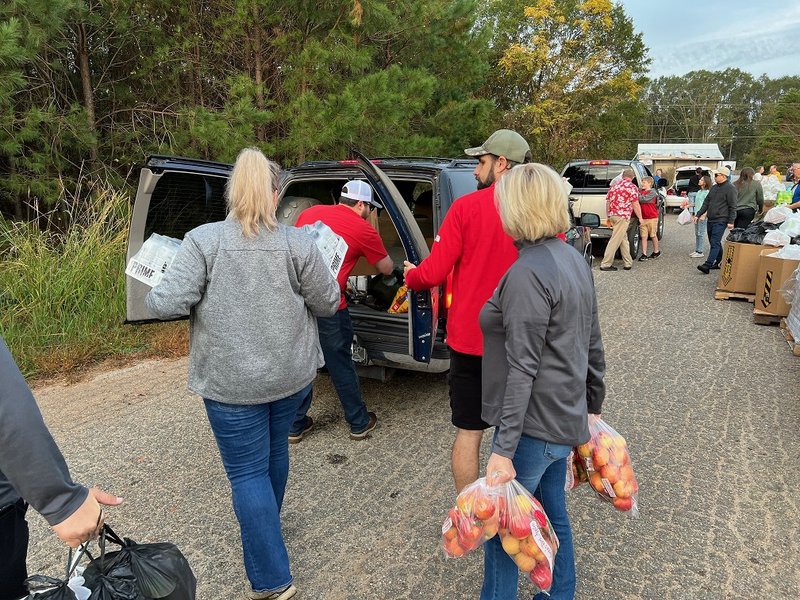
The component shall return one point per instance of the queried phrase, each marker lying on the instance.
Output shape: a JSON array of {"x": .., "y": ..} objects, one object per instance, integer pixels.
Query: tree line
[{"x": 88, "y": 89}]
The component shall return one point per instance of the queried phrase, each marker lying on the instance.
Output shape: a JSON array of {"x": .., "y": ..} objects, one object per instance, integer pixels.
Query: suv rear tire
[{"x": 634, "y": 240}]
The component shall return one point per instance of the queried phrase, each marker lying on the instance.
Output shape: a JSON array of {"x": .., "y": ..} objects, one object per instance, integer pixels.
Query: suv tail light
[
  {"x": 374, "y": 161},
  {"x": 598, "y": 162},
  {"x": 448, "y": 290}
]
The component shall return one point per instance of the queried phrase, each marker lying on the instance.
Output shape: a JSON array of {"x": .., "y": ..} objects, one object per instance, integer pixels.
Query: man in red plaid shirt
[{"x": 622, "y": 200}]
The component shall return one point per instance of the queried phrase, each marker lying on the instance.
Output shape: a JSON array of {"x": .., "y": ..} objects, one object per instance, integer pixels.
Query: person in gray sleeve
[
  {"x": 33, "y": 471},
  {"x": 719, "y": 211},
  {"x": 253, "y": 289},
  {"x": 543, "y": 366}
]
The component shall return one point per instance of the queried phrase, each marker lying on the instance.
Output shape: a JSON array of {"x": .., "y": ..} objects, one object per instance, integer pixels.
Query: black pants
[
  {"x": 13, "y": 551},
  {"x": 744, "y": 216}
]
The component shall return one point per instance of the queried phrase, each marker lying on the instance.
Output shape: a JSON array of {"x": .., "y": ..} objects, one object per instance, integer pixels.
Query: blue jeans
[
  {"x": 699, "y": 227},
  {"x": 716, "y": 229},
  {"x": 542, "y": 468},
  {"x": 253, "y": 443},
  {"x": 335, "y": 338},
  {"x": 699, "y": 237}
]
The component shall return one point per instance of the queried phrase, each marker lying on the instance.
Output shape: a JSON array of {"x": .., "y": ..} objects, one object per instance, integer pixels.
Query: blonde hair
[
  {"x": 251, "y": 191},
  {"x": 649, "y": 180},
  {"x": 532, "y": 201}
]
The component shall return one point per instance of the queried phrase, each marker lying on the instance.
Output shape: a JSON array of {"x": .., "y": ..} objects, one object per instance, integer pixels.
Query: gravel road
[{"x": 708, "y": 401}]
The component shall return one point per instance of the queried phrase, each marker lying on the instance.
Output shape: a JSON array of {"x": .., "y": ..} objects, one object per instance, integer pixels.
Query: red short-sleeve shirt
[{"x": 360, "y": 236}]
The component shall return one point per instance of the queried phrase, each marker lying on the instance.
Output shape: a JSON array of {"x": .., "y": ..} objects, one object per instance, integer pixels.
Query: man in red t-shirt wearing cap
[
  {"x": 347, "y": 219},
  {"x": 472, "y": 244}
]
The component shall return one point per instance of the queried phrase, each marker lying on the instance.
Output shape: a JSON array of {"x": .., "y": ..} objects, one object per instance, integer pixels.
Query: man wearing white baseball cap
[{"x": 347, "y": 219}]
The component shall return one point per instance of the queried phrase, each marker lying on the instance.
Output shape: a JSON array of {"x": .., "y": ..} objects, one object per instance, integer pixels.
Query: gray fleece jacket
[
  {"x": 31, "y": 465},
  {"x": 543, "y": 359},
  {"x": 252, "y": 304}
]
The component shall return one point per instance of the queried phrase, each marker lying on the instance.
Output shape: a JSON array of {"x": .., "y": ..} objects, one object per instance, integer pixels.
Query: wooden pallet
[
  {"x": 764, "y": 318},
  {"x": 793, "y": 344},
  {"x": 725, "y": 295}
]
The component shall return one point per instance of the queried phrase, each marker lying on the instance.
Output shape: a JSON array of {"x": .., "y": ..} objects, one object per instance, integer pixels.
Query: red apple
[
  {"x": 541, "y": 576},
  {"x": 623, "y": 504},
  {"x": 484, "y": 508},
  {"x": 600, "y": 457},
  {"x": 520, "y": 527},
  {"x": 610, "y": 473}
]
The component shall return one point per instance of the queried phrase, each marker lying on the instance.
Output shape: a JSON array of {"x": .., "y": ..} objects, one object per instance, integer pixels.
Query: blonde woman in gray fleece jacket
[{"x": 252, "y": 289}]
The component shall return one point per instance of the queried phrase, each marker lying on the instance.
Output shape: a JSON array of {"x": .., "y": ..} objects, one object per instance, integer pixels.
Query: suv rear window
[
  {"x": 591, "y": 176},
  {"x": 181, "y": 202}
]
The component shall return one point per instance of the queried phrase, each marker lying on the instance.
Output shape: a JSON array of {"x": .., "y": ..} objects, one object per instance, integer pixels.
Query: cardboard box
[
  {"x": 772, "y": 275},
  {"x": 739, "y": 268}
]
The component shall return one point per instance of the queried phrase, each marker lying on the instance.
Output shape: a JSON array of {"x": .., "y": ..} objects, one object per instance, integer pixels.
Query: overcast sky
[{"x": 686, "y": 35}]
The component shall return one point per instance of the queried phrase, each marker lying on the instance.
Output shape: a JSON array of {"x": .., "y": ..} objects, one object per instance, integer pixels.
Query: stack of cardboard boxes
[{"x": 752, "y": 272}]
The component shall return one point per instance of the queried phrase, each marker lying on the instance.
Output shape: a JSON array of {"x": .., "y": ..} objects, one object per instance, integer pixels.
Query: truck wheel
[{"x": 634, "y": 241}]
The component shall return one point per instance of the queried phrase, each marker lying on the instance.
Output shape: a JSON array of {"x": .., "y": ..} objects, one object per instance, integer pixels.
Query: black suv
[
  {"x": 176, "y": 195},
  {"x": 590, "y": 180}
]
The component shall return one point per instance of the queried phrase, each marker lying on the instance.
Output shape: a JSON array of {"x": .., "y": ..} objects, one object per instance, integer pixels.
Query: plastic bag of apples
[
  {"x": 576, "y": 472},
  {"x": 510, "y": 511},
  {"x": 608, "y": 464}
]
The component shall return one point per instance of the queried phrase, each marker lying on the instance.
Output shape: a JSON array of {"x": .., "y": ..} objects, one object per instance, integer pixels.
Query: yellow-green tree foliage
[{"x": 561, "y": 68}]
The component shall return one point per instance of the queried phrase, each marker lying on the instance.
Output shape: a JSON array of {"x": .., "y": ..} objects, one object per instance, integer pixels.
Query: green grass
[{"x": 62, "y": 290}]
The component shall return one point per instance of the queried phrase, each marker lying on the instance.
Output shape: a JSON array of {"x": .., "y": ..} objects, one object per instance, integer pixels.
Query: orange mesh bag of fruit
[
  {"x": 400, "y": 302},
  {"x": 526, "y": 534},
  {"x": 608, "y": 464},
  {"x": 576, "y": 472},
  {"x": 473, "y": 520}
]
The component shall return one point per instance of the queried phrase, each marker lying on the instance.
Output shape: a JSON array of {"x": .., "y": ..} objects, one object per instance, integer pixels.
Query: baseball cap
[
  {"x": 503, "y": 142},
  {"x": 359, "y": 190},
  {"x": 722, "y": 171}
]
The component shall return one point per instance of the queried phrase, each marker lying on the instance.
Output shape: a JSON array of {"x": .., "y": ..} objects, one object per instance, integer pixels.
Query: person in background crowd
[
  {"x": 648, "y": 226},
  {"x": 719, "y": 211},
  {"x": 694, "y": 186},
  {"x": 730, "y": 173},
  {"x": 658, "y": 180},
  {"x": 699, "y": 226},
  {"x": 773, "y": 172},
  {"x": 473, "y": 245},
  {"x": 750, "y": 198},
  {"x": 543, "y": 369},
  {"x": 795, "y": 205},
  {"x": 348, "y": 220},
  {"x": 759, "y": 174},
  {"x": 253, "y": 290},
  {"x": 622, "y": 201},
  {"x": 33, "y": 470},
  {"x": 789, "y": 174}
]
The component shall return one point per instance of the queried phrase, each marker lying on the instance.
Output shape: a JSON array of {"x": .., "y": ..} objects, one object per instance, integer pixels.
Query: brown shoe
[
  {"x": 373, "y": 423},
  {"x": 296, "y": 438}
]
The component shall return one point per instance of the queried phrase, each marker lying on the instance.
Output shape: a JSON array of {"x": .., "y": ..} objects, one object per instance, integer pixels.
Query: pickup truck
[
  {"x": 176, "y": 195},
  {"x": 590, "y": 180}
]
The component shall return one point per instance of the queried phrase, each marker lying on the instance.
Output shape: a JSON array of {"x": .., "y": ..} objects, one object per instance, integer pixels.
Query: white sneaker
[{"x": 697, "y": 255}]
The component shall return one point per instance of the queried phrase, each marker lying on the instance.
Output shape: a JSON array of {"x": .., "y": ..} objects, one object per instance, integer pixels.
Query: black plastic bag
[
  {"x": 55, "y": 589},
  {"x": 735, "y": 234},
  {"x": 139, "y": 572},
  {"x": 42, "y": 587}
]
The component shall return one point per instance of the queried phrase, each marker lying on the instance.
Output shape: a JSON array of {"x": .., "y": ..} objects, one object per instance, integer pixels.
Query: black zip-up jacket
[
  {"x": 720, "y": 203},
  {"x": 543, "y": 359}
]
